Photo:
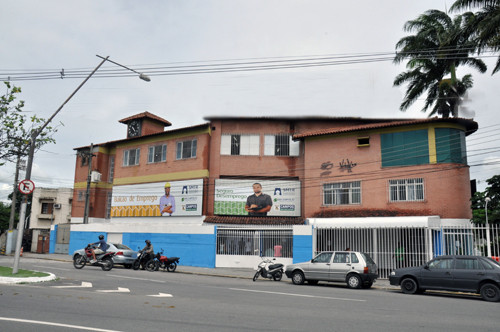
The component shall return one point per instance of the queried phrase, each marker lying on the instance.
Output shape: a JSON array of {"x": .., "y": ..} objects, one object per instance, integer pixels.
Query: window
[
  {"x": 441, "y": 264},
  {"x": 109, "y": 197},
  {"x": 405, "y": 148},
  {"x": 186, "y": 149},
  {"x": 239, "y": 145},
  {"x": 406, "y": 190},
  {"x": 324, "y": 257},
  {"x": 354, "y": 258},
  {"x": 341, "y": 257},
  {"x": 81, "y": 195},
  {"x": 157, "y": 153},
  {"x": 47, "y": 208},
  {"x": 131, "y": 157},
  {"x": 342, "y": 193},
  {"x": 363, "y": 141},
  {"x": 450, "y": 146},
  {"x": 467, "y": 264},
  {"x": 111, "y": 172},
  {"x": 280, "y": 145}
]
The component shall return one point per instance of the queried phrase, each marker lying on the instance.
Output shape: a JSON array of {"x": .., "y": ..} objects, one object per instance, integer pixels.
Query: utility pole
[
  {"x": 89, "y": 156},
  {"x": 14, "y": 194}
]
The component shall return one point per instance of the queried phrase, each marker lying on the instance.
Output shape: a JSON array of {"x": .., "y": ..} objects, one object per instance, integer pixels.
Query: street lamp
[
  {"x": 486, "y": 201},
  {"x": 31, "y": 153}
]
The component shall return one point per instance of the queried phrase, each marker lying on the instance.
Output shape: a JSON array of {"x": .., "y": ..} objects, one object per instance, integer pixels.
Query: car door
[
  {"x": 437, "y": 274},
  {"x": 341, "y": 264},
  {"x": 319, "y": 267},
  {"x": 467, "y": 273}
]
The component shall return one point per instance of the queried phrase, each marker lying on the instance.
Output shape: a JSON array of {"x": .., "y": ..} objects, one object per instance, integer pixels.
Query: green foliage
[
  {"x": 4, "y": 216},
  {"x": 16, "y": 128},
  {"x": 478, "y": 203}
]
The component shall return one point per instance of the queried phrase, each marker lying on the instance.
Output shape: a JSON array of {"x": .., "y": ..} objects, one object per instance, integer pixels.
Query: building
[
  {"x": 50, "y": 206},
  {"x": 316, "y": 169}
]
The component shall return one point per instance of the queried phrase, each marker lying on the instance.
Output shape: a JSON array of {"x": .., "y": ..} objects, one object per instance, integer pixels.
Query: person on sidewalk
[{"x": 101, "y": 249}]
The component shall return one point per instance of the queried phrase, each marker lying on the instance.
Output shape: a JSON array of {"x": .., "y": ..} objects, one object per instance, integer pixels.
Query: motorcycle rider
[
  {"x": 148, "y": 252},
  {"x": 101, "y": 249}
]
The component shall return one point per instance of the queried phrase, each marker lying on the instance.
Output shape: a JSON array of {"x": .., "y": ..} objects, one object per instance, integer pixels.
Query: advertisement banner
[
  {"x": 173, "y": 198},
  {"x": 231, "y": 197}
]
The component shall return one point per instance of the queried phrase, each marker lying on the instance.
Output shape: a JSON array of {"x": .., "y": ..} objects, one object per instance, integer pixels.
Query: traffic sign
[{"x": 26, "y": 187}]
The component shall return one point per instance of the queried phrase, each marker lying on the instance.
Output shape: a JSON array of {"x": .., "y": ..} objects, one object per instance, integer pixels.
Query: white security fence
[{"x": 397, "y": 247}]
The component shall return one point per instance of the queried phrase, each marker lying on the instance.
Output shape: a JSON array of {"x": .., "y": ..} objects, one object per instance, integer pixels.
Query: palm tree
[
  {"x": 438, "y": 47},
  {"x": 486, "y": 25}
]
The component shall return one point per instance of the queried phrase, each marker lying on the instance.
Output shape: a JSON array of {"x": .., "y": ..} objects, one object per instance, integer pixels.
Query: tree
[
  {"x": 440, "y": 45},
  {"x": 478, "y": 203},
  {"x": 16, "y": 127},
  {"x": 4, "y": 216},
  {"x": 485, "y": 26}
]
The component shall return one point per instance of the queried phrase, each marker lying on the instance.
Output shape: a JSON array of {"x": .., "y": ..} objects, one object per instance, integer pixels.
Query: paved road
[{"x": 127, "y": 300}]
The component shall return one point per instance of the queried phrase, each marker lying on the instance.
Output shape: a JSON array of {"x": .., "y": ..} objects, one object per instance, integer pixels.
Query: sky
[{"x": 150, "y": 36}]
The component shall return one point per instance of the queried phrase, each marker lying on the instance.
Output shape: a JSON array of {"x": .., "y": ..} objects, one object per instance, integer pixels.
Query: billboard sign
[
  {"x": 166, "y": 199},
  {"x": 231, "y": 196}
]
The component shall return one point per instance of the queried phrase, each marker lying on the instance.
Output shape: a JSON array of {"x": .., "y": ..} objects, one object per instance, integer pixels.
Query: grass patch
[{"x": 7, "y": 272}]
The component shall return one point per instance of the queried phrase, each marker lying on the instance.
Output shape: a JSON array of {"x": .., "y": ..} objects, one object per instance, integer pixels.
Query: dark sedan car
[{"x": 473, "y": 274}]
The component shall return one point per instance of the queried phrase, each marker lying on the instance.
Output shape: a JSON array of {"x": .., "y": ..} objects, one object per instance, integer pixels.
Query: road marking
[
  {"x": 56, "y": 324},
  {"x": 162, "y": 295},
  {"x": 84, "y": 285},
  {"x": 119, "y": 290},
  {"x": 144, "y": 279},
  {"x": 300, "y": 295}
]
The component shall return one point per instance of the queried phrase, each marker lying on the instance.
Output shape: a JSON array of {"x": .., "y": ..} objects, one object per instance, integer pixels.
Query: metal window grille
[
  {"x": 157, "y": 154},
  {"x": 235, "y": 145},
  {"x": 186, "y": 149},
  {"x": 406, "y": 190},
  {"x": 255, "y": 242},
  {"x": 282, "y": 145},
  {"x": 342, "y": 193}
]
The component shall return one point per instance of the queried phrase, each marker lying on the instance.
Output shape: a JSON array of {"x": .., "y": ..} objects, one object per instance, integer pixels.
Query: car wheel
[
  {"x": 79, "y": 261},
  {"x": 490, "y": 292},
  {"x": 353, "y": 281},
  {"x": 409, "y": 286},
  {"x": 277, "y": 276},
  {"x": 312, "y": 282},
  {"x": 298, "y": 278},
  {"x": 107, "y": 264}
]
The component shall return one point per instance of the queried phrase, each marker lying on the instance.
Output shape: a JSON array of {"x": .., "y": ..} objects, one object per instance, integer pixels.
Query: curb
[{"x": 9, "y": 280}]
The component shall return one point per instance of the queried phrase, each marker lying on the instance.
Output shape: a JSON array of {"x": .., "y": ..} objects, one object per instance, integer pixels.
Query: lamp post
[
  {"x": 31, "y": 153},
  {"x": 486, "y": 201}
]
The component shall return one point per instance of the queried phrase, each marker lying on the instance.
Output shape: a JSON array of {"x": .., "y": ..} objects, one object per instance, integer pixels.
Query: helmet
[
  {"x": 101, "y": 237},
  {"x": 147, "y": 242},
  {"x": 167, "y": 185}
]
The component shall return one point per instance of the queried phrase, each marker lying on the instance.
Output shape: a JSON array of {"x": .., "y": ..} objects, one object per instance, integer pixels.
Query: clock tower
[{"x": 144, "y": 124}]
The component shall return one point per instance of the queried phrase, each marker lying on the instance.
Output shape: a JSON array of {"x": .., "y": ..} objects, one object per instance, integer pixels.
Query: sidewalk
[{"x": 227, "y": 272}]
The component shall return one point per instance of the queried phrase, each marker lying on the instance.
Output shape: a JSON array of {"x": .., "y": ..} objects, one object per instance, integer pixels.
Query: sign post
[{"x": 25, "y": 187}]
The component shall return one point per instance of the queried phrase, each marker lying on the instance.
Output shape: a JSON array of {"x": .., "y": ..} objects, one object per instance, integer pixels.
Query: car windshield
[
  {"x": 367, "y": 258},
  {"x": 121, "y": 246}
]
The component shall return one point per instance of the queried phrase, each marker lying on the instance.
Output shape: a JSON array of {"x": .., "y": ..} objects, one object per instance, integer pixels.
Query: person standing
[
  {"x": 167, "y": 202},
  {"x": 258, "y": 204}
]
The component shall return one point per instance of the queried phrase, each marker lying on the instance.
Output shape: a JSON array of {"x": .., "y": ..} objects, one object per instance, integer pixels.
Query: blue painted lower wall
[{"x": 302, "y": 248}]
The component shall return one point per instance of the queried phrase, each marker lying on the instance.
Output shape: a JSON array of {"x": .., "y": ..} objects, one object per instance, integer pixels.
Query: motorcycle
[
  {"x": 104, "y": 260},
  {"x": 164, "y": 262},
  {"x": 266, "y": 269},
  {"x": 141, "y": 260}
]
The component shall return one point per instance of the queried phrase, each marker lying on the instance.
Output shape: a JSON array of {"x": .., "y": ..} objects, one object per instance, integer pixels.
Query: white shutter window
[
  {"x": 254, "y": 142},
  {"x": 225, "y": 145},
  {"x": 151, "y": 154},
  {"x": 294, "y": 147},
  {"x": 269, "y": 145}
]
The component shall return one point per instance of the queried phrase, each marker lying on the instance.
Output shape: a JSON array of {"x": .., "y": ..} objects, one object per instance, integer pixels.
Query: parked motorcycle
[
  {"x": 266, "y": 269},
  {"x": 164, "y": 262},
  {"x": 141, "y": 260},
  {"x": 105, "y": 260}
]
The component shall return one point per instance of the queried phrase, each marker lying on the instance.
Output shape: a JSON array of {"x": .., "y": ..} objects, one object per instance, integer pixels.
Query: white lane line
[
  {"x": 55, "y": 324},
  {"x": 84, "y": 285},
  {"x": 162, "y": 295},
  {"x": 119, "y": 290},
  {"x": 119, "y": 276},
  {"x": 300, "y": 295}
]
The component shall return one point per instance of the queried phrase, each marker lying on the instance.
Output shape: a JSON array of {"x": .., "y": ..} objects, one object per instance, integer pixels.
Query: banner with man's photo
[
  {"x": 169, "y": 198},
  {"x": 231, "y": 196}
]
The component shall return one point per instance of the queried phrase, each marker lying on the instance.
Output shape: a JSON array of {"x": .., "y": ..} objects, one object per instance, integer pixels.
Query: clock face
[{"x": 134, "y": 128}]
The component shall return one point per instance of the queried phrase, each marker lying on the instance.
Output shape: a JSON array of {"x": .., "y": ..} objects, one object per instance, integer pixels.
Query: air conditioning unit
[
  {"x": 95, "y": 176},
  {"x": 57, "y": 206}
]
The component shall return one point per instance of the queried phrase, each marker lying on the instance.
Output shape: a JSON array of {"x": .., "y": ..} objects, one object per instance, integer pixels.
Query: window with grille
[
  {"x": 280, "y": 145},
  {"x": 109, "y": 196},
  {"x": 186, "y": 149},
  {"x": 157, "y": 153},
  {"x": 342, "y": 193},
  {"x": 239, "y": 145},
  {"x": 404, "y": 190},
  {"x": 111, "y": 172},
  {"x": 47, "y": 208},
  {"x": 131, "y": 157}
]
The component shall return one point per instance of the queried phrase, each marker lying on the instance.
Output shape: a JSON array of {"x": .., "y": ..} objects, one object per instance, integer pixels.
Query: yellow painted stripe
[
  {"x": 203, "y": 173},
  {"x": 100, "y": 185},
  {"x": 432, "y": 145}
]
